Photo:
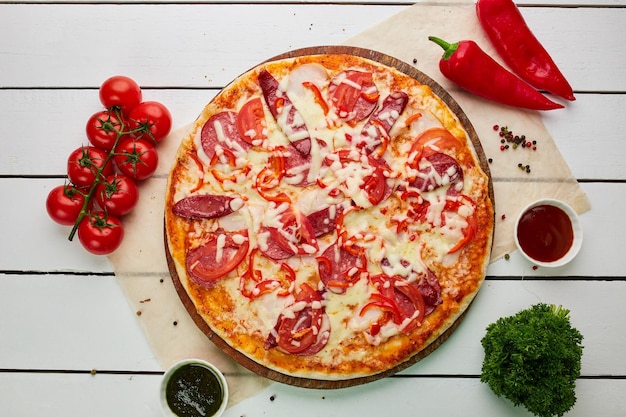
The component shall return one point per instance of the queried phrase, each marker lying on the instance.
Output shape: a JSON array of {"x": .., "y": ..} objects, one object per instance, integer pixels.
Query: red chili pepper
[
  {"x": 472, "y": 69},
  {"x": 519, "y": 48}
]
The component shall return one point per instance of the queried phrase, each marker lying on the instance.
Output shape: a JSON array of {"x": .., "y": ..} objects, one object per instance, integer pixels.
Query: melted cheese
[{"x": 370, "y": 227}]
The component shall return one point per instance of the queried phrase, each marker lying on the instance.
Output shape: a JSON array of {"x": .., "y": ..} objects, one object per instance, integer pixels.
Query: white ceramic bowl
[
  {"x": 167, "y": 411},
  {"x": 576, "y": 228}
]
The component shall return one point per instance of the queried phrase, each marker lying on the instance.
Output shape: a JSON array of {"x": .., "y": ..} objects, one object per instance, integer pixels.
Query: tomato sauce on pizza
[{"x": 328, "y": 217}]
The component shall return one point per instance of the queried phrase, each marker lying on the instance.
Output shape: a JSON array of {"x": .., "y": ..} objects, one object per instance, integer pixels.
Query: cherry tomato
[
  {"x": 136, "y": 158},
  {"x": 251, "y": 123},
  {"x": 100, "y": 233},
  {"x": 64, "y": 204},
  {"x": 84, "y": 164},
  {"x": 120, "y": 92},
  {"x": 152, "y": 116},
  {"x": 117, "y": 195},
  {"x": 102, "y": 129}
]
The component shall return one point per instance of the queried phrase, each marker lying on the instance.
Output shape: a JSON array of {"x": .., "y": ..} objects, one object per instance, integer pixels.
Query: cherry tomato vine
[{"x": 102, "y": 176}]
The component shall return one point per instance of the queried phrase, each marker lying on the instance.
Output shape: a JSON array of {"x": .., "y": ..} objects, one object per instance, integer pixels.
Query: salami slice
[
  {"x": 285, "y": 113},
  {"x": 441, "y": 170},
  {"x": 221, "y": 131},
  {"x": 381, "y": 121},
  {"x": 297, "y": 166},
  {"x": 206, "y": 206},
  {"x": 325, "y": 220},
  {"x": 274, "y": 251},
  {"x": 430, "y": 289},
  {"x": 339, "y": 268},
  {"x": 427, "y": 284},
  {"x": 405, "y": 298}
]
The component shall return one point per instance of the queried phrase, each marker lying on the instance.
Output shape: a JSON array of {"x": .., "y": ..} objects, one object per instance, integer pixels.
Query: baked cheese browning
[{"x": 328, "y": 216}]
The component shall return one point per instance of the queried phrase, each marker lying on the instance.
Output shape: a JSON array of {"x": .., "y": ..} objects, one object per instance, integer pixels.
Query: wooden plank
[
  {"x": 66, "y": 113},
  {"x": 58, "y": 59},
  {"x": 35, "y": 233},
  {"x": 71, "y": 395},
  {"x": 69, "y": 322},
  {"x": 100, "y": 332},
  {"x": 37, "y": 243},
  {"x": 599, "y": 255},
  {"x": 584, "y": 131}
]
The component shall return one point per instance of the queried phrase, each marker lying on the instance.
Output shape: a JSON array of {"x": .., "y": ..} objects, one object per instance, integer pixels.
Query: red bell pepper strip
[
  {"x": 472, "y": 69},
  {"x": 519, "y": 48}
]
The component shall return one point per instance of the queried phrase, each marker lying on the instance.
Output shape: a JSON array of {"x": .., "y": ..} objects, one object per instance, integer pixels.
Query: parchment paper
[{"x": 140, "y": 264}]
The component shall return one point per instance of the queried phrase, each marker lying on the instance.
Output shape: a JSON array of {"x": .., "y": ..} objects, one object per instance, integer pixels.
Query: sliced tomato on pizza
[
  {"x": 295, "y": 234},
  {"x": 217, "y": 257},
  {"x": 303, "y": 327},
  {"x": 251, "y": 123},
  {"x": 340, "y": 268},
  {"x": 353, "y": 95}
]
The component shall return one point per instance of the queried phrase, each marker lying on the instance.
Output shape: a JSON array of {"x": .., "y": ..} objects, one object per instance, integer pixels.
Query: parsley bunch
[{"x": 533, "y": 359}]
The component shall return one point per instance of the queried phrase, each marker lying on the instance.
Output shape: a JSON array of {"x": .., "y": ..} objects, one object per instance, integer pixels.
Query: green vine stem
[{"x": 84, "y": 211}]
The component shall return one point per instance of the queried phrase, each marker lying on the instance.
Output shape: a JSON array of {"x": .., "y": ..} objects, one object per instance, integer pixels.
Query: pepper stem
[{"x": 449, "y": 48}]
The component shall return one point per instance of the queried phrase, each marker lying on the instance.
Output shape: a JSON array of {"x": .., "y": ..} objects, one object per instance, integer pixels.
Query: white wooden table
[{"x": 62, "y": 313}]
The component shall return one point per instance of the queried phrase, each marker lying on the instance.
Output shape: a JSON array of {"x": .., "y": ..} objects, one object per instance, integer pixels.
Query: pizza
[{"x": 328, "y": 218}]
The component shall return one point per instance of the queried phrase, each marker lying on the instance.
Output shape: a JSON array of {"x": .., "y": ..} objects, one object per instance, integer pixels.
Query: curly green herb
[{"x": 533, "y": 359}]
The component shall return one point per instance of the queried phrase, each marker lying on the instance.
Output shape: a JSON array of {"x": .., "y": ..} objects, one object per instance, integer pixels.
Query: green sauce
[{"x": 194, "y": 391}]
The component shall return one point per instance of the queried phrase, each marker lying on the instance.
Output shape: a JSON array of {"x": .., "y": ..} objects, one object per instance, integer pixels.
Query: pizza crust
[{"x": 348, "y": 357}]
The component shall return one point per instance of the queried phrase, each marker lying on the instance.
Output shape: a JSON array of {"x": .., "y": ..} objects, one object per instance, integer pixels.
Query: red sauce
[{"x": 545, "y": 233}]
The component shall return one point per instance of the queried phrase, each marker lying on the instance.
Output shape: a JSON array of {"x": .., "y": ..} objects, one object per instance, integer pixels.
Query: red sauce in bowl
[{"x": 545, "y": 233}]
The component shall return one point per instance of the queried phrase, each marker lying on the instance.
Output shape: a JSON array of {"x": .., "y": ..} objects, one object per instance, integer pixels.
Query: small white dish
[
  {"x": 544, "y": 232},
  {"x": 195, "y": 369}
]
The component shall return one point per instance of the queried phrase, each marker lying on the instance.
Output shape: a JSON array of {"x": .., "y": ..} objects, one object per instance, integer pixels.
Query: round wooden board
[{"x": 258, "y": 368}]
